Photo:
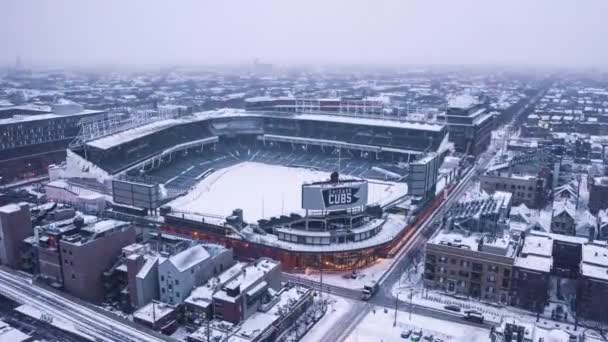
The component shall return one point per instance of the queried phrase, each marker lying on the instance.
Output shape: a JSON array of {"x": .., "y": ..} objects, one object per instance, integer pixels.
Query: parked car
[
  {"x": 452, "y": 307},
  {"x": 406, "y": 333},
  {"x": 416, "y": 335}
]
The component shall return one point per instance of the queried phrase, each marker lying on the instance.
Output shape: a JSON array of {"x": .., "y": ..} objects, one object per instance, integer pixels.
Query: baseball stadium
[{"x": 313, "y": 190}]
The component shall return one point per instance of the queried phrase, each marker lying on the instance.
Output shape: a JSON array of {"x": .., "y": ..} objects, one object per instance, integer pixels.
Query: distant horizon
[
  {"x": 155, "y": 33},
  {"x": 41, "y": 67}
]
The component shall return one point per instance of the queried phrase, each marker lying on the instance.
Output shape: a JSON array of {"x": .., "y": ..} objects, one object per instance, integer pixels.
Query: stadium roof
[{"x": 119, "y": 138}]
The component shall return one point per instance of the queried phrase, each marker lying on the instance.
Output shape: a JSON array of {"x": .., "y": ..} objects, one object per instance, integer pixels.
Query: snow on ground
[
  {"x": 181, "y": 334},
  {"x": 263, "y": 191},
  {"x": 345, "y": 279},
  {"x": 337, "y": 308},
  {"x": 378, "y": 326}
]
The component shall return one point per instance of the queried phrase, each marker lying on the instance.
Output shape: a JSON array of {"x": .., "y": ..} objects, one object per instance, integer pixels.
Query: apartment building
[{"x": 470, "y": 264}]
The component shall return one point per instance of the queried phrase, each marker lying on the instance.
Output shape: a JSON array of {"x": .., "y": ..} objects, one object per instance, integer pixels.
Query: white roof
[
  {"x": 103, "y": 226},
  {"x": 189, "y": 257},
  {"x": 148, "y": 265},
  {"x": 465, "y": 101},
  {"x": 10, "y": 208},
  {"x": 435, "y": 127},
  {"x": 119, "y": 138},
  {"x": 153, "y": 312},
  {"x": 539, "y": 245},
  {"x": 534, "y": 262},
  {"x": 49, "y": 116},
  {"x": 595, "y": 260}
]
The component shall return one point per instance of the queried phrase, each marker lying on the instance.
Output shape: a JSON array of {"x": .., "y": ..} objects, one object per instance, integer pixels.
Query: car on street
[
  {"x": 406, "y": 333},
  {"x": 452, "y": 307}
]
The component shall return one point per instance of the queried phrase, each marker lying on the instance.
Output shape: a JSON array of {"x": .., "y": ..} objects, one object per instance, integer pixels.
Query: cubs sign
[{"x": 334, "y": 196}]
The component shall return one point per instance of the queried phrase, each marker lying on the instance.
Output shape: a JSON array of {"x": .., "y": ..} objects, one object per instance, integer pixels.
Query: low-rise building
[
  {"x": 240, "y": 297},
  {"x": 157, "y": 316},
  {"x": 531, "y": 271},
  {"x": 272, "y": 318},
  {"x": 178, "y": 274},
  {"x": 592, "y": 283}
]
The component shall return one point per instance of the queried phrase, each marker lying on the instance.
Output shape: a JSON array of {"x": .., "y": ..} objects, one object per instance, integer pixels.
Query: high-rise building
[{"x": 15, "y": 226}]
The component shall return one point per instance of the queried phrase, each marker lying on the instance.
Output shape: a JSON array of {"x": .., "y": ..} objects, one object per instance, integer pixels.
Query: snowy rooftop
[
  {"x": 189, "y": 257},
  {"x": 249, "y": 275},
  {"x": 465, "y": 101},
  {"x": 539, "y": 245},
  {"x": 204, "y": 294},
  {"x": 595, "y": 260},
  {"x": 116, "y": 139},
  {"x": 500, "y": 245},
  {"x": 10, "y": 208},
  {"x": 435, "y": 127},
  {"x": 104, "y": 226},
  {"x": 393, "y": 225},
  {"x": 119, "y": 138},
  {"x": 257, "y": 323},
  {"x": 534, "y": 262},
  {"x": 49, "y": 116},
  {"x": 148, "y": 266},
  {"x": 153, "y": 312}
]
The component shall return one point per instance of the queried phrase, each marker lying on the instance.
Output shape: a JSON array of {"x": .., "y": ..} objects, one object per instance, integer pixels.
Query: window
[
  {"x": 73, "y": 276},
  {"x": 453, "y": 261},
  {"x": 177, "y": 294},
  {"x": 162, "y": 290},
  {"x": 162, "y": 278},
  {"x": 176, "y": 282},
  {"x": 506, "y": 273}
]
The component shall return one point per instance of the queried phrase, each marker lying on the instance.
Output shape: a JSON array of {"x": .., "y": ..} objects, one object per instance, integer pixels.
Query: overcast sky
[{"x": 170, "y": 32}]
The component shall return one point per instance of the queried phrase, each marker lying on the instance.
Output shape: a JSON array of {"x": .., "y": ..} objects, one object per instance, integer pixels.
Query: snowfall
[{"x": 264, "y": 191}]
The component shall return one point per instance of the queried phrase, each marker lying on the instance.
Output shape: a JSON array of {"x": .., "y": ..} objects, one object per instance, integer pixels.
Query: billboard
[
  {"x": 334, "y": 196},
  {"x": 136, "y": 194}
]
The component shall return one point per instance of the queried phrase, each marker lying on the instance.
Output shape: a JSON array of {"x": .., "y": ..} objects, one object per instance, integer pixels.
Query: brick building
[{"x": 475, "y": 265}]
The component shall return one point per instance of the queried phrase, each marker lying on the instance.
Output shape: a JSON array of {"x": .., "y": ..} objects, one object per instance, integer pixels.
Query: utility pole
[
  {"x": 396, "y": 305},
  {"x": 411, "y": 304}
]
